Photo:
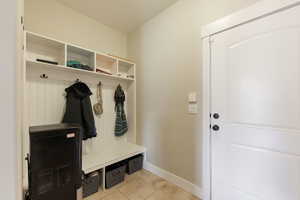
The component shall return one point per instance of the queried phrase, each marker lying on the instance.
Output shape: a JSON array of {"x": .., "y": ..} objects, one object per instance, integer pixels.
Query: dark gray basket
[
  {"x": 114, "y": 175},
  {"x": 91, "y": 183},
  {"x": 135, "y": 164}
]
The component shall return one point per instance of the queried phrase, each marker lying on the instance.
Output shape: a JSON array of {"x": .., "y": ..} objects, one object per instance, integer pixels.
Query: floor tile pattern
[{"x": 143, "y": 185}]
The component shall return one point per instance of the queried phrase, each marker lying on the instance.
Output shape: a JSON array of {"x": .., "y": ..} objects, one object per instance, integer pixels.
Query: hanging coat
[
  {"x": 79, "y": 109},
  {"x": 121, "y": 126}
]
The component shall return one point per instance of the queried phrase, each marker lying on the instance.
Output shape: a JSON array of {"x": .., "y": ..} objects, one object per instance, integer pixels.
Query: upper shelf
[
  {"x": 126, "y": 69},
  {"x": 44, "y": 52},
  {"x": 43, "y": 48},
  {"x": 40, "y": 65}
]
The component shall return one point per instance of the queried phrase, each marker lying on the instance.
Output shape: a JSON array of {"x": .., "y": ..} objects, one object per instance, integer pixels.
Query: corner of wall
[{"x": 176, "y": 180}]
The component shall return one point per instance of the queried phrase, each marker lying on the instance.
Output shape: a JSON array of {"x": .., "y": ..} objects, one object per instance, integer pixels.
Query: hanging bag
[{"x": 98, "y": 107}]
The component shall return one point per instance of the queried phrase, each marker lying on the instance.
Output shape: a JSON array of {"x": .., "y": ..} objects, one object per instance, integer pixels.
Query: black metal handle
[
  {"x": 216, "y": 115},
  {"x": 216, "y": 128}
]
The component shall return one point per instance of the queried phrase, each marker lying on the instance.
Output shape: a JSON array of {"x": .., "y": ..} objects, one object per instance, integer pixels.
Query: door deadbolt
[
  {"x": 216, "y": 116},
  {"x": 216, "y": 128}
]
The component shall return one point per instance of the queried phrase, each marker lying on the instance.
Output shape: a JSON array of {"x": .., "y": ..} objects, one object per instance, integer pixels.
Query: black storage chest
[{"x": 55, "y": 162}]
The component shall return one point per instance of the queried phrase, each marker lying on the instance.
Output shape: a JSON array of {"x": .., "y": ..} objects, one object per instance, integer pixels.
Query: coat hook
[{"x": 44, "y": 76}]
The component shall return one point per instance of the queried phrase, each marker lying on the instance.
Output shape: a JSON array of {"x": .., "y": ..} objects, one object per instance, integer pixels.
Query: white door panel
[
  {"x": 255, "y": 83},
  {"x": 259, "y": 137},
  {"x": 258, "y": 65},
  {"x": 259, "y": 172}
]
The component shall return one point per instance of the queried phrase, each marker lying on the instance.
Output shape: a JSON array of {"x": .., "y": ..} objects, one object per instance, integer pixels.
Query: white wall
[
  {"x": 50, "y": 18},
  {"x": 168, "y": 53},
  {"x": 8, "y": 172}
]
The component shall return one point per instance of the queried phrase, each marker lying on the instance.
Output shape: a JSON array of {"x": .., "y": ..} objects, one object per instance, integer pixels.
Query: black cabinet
[{"x": 55, "y": 162}]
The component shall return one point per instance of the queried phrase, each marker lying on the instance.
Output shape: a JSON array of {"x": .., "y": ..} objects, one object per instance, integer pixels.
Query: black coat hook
[{"x": 44, "y": 76}]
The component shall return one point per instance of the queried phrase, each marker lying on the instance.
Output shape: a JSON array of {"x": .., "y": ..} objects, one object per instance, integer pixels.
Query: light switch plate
[{"x": 193, "y": 97}]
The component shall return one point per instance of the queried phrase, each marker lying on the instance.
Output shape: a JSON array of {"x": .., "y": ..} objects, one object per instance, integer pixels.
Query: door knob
[{"x": 216, "y": 128}]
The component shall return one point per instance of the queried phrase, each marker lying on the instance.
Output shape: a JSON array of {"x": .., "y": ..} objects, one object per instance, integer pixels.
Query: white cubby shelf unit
[
  {"x": 39, "y": 48},
  {"x": 47, "y": 74}
]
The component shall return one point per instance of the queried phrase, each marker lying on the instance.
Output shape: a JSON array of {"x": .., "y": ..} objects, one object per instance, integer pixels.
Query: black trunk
[{"x": 55, "y": 162}]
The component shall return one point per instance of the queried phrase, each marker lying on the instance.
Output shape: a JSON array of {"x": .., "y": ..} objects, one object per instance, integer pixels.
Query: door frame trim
[
  {"x": 206, "y": 109},
  {"x": 257, "y": 11}
]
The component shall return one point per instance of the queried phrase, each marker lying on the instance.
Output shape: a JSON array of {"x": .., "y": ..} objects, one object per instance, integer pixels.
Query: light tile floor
[{"x": 143, "y": 185}]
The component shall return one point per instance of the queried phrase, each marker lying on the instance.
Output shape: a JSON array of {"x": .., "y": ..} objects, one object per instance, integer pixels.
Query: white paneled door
[{"x": 255, "y": 105}]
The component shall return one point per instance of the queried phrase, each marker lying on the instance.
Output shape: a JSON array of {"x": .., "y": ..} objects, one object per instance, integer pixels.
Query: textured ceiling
[{"x": 124, "y": 15}]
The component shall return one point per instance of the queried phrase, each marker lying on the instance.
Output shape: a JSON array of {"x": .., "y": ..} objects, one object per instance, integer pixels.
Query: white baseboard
[{"x": 176, "y": 180}]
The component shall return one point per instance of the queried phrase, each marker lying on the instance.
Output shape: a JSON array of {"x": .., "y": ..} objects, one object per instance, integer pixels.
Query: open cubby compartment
[
  {"x": 38, "y": 47},
  {"x": 83, "y": 56},
  {"x": 126, "y": 69},
  {"x": 106, "y": 63}
]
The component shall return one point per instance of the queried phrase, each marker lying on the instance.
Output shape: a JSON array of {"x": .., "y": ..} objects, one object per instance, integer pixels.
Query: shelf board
[
  {"x": 109, "y": 154},
  {"x": 69, "y": 69},
  {"x": 43, "y": 41}
]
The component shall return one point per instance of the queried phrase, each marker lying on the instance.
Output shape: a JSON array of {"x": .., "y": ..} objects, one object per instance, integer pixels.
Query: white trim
[
  {"x": 206, "y": 158},
  {"x": 19, "y": 97},
  {"x": 256, "y": 11},
  {"x": 176, "y": 180}
]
